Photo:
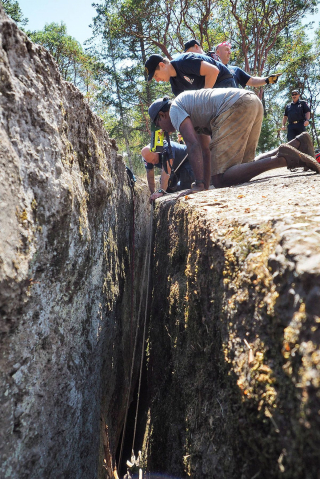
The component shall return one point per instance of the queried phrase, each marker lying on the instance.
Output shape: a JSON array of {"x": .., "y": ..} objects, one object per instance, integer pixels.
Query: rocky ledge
[{"x": 234, "y": 363}]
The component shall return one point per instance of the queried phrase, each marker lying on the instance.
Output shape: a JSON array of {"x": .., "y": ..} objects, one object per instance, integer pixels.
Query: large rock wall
[
  {"x": 65, "y": 278},
  {"x": 237, "y": 268}
]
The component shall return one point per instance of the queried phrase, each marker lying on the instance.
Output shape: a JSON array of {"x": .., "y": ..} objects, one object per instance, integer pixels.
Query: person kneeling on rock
[
  {"x": 176, "y": 172},
  {"x": 232, "y": 118}
]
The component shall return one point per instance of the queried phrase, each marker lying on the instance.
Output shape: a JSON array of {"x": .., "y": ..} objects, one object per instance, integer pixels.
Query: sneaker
[{"x": 297, "y": 159}]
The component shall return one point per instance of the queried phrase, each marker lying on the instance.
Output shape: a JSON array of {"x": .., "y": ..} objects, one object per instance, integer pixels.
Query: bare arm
[
  {"x": 164, "y": 185},
  {"x": 164, "y": 179},
  {"x": 284, "y": 121},
  {"x": 204, "y": 142},
  {"x": 256, "y": 81},
  {"x": 151, "y": 181},
  {"x": 194, "y": 148},
  {"x": 307, "y": 118},
  {"x": 210, "y": 73}
]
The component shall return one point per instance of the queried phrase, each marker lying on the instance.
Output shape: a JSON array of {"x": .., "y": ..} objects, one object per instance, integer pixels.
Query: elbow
[{"x": 145, "y": 151}]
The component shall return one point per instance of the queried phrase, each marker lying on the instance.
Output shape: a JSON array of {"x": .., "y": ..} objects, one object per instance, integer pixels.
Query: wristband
[{"x": 267, "y": 80}]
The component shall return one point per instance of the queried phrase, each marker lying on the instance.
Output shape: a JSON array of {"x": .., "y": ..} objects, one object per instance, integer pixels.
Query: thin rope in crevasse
[
  {"x": 144, "y": 326},
  {"x": 146, "y": 264}
]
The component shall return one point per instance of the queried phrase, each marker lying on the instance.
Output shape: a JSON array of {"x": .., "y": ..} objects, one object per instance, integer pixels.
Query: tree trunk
[{"x": 122, "y": 116}]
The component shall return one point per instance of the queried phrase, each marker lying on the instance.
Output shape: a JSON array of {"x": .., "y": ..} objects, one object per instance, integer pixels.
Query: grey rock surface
[{"x": 65, "y": 278}]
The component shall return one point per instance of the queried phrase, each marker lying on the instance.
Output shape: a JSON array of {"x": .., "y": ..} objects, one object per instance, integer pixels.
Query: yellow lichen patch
[
  {"x": 70, "y": 155},
  {"x": 23, "y": 216},
  {"x": 292, "y": 332},
  {"x": 97, "y": 151},
  {"x": 83, "y": 218},
  {"x": 174, "y": 295},
  {"x": 309, "y": 372}
]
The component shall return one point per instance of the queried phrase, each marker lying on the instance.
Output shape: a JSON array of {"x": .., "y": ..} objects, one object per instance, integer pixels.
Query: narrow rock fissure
[
  {"x": 231, "y": 375},
  {"x": 142, "y": 415}
]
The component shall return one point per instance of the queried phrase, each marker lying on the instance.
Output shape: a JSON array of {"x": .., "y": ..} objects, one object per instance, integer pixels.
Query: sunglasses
[{"x": 295, "y": 94}]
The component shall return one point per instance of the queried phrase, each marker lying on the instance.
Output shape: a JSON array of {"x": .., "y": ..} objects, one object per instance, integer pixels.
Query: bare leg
[
  {"x": 295, "y": 143},
  {"x": 244, "y": 172}
]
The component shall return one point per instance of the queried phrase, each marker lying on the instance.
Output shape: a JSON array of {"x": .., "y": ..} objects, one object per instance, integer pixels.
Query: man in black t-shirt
[
  {"x": 189, "y": 71},
  {"x": 222, "y": 53},
  {"x": 298, "y": 115}
]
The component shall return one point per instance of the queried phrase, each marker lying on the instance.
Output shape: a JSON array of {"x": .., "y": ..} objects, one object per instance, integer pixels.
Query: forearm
[
  {"x": 210, "y": 80},
  {"x": 204, "y": 142},
  {"x": 307, "y": 118},
  {"x": 256, "y": 82},
  {"x": 164, "y": 180},
  {"x": 284, "y": 121},
  {"x": 151, "y": 181},
  {"x": 196, "y": 160},
  {"x": 210, "y": 73},
  {"x": 194, "y": 148}
]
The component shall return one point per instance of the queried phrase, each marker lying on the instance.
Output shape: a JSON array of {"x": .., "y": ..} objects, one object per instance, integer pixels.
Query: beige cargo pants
[{"x": 235, "y": 134}]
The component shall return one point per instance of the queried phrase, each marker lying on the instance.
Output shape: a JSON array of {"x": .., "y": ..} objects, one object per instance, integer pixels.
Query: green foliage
[
  {"x": 75, "y": 65},
  {"x": 12, "y": 8},
  {"x": 270, "y": 135},
  {"x": 65, "y": 49}
]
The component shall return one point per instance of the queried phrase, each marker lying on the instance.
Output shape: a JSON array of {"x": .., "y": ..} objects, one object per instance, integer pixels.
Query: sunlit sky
[{"x": 76, "y": 14}]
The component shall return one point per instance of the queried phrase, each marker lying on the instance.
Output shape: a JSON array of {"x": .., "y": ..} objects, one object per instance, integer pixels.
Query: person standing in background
[{"x": 298, "y": 115}]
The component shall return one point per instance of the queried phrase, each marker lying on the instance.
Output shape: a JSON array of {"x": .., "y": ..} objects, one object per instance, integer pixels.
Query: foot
[
  {"x": 306, "y": 145},
  {"x": 297, "y": 159},
  {"x": 195, "y": 188}
]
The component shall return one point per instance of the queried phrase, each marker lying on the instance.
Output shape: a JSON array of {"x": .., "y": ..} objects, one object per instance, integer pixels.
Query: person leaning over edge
[
  {"x": 233, "y": 118},
  {"x": 155, "y": 159},
  {"x": 189, "y": 71},
  {"x": 298, "y": 113},
  {"x": 222, "y": 53}
]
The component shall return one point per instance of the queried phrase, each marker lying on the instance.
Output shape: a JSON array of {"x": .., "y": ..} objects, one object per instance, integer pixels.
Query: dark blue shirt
[
  {"x": 239, "y": 75},
  {"x": 178, "y": 153},
  {"x": 187, "y": 66},
  {"x": 296, "y": 111}
]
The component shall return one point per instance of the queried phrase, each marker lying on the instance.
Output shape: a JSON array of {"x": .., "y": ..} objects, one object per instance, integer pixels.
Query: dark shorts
[{"x": 182, "y": 180}]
